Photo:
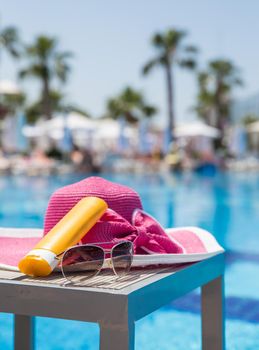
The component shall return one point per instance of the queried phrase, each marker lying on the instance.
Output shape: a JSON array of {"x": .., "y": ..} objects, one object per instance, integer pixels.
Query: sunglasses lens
[
  {"x": 122, "y": 255},
  {"x": 81, "y": 263}
]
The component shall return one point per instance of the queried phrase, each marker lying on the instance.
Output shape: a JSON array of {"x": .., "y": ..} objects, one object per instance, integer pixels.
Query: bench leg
[
  {"x": 23, "y": 332},
  {"x": 213, "y": 320},
  {"x": 117, "y": 336}
]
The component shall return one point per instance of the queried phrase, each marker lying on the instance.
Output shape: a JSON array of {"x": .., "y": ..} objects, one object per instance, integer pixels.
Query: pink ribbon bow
[{"x": 145, "y": 232}]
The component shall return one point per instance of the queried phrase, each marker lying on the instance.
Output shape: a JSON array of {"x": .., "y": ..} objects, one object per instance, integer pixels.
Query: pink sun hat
[
  {"x": 122, "y": 199},
  {"x": 123, "y": 220}
]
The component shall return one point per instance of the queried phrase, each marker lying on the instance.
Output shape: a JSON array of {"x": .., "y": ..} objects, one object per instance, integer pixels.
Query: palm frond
[
  {"x": 75, "y": 108},
  {"x": 203, "y": 77},
  {"x": 187, "y": 63},
  {"x": 191, "y": 49},
  {"x": 62, "y": 67},
  {"x": 149, "y": 66},
  {"x": 149, "y": 111},
  {"x": 130, "y": 104},
  {"x": 35, "y": 70},
  {"x": 168, "y": 44},
  {"x": 238, "y": 81},
  {"x": 173, "y": 38},
  {"x": 9, "y": 39},
  {"x": 43, "y": 48},
  {"x": 158, "y": 40}
]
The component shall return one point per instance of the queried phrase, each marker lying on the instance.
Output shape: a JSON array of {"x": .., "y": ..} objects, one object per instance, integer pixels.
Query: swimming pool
[{"x": 226, "y": 204}]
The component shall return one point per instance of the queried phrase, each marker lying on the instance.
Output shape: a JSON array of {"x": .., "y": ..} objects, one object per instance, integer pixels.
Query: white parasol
[
  {"x": 8, "y": 87},
  {"x": 196, "y": 129}
]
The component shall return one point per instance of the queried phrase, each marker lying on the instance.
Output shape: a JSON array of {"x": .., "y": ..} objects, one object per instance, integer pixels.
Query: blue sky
[{"x": 111, "y": 42}]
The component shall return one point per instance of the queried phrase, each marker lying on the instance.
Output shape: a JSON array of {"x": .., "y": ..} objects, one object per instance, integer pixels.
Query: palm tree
[
  {"x": 10, "y": 104},
  {"x": 204, "y": 107},
  {"x": 216, "y": 84},
  {"x": 46, "y": 64},
  {"x": 58, "y": 104},
  {"x": 171, "y": 52},
  {"x": 9, "y": 41},
  {"x": 131, "y": 105},
  {"x": 249, "y": 119}
]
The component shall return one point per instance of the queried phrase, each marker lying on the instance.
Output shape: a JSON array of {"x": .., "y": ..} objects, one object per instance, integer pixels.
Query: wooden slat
[{"x": 106, "y": 279}]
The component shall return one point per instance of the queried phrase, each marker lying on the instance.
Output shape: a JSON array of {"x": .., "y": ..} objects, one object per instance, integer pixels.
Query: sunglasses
[{"x": 81, "y": 262}]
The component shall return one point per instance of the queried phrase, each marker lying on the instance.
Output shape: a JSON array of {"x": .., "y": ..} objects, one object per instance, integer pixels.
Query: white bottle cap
[{"x": 47, "y": 255}]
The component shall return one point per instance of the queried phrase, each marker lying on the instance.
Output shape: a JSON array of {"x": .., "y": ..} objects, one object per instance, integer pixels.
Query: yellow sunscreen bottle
[{"x": 42, "y": 260}]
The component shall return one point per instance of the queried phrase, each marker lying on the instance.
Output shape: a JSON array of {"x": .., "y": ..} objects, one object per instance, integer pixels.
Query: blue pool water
[{"x": 226, "y": 204}]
